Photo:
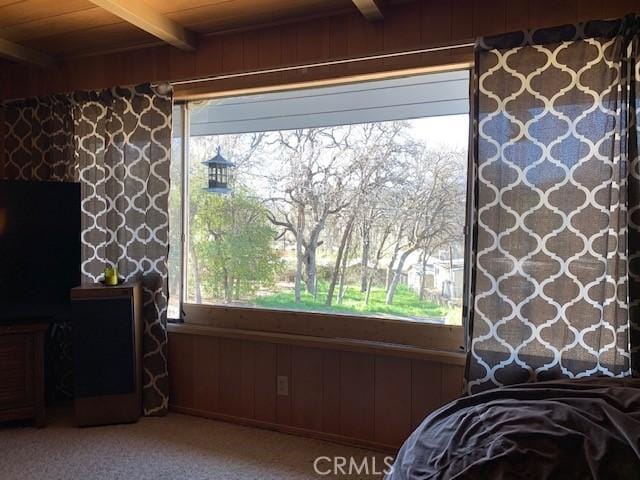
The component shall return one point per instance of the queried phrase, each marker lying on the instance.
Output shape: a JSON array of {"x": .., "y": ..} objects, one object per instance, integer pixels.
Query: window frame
[{"x": 369, "y": 331}]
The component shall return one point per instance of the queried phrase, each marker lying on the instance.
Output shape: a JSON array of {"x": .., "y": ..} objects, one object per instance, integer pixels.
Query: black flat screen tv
[{"x": 39, "y": 247}]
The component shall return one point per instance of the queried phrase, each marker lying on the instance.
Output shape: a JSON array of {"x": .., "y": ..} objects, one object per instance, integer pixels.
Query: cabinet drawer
[{"x": 16, "y": 386}]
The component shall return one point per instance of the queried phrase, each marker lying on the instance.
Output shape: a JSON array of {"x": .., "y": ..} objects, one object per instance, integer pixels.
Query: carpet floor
[{"x": 168, "y": 448}]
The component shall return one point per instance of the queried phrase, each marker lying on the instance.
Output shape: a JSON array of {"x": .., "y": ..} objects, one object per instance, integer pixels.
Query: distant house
[
  {"x": 441, "y": 278},
  {"x": 415, "y": 274}
]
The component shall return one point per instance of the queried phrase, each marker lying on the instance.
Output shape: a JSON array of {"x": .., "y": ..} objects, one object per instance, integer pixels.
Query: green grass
[{"x": 406, "y": 303}]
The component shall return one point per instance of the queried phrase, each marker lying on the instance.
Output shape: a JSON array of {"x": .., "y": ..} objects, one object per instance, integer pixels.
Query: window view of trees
[{"x": 361, "y": 219}]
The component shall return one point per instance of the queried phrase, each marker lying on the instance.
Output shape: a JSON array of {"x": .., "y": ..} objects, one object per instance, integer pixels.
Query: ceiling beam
[
  {"x": 371, "y": 9},
  {"x": 138, "y": 13},
  {"x": 20, "y": 53}
]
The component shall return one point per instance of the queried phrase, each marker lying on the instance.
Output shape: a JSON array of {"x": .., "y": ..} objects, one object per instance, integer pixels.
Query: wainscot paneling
[{"x": 353, "y": 397}]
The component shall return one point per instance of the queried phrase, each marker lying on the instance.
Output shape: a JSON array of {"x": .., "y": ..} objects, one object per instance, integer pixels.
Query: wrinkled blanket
[{"x": 569, "y": 429}]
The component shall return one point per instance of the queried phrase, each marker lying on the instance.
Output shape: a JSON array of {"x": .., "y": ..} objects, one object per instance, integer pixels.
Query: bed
[{"x": 565, "y": 429}]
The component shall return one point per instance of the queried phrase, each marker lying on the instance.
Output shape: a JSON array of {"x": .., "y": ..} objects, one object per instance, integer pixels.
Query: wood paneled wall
[
  {"x": 356, "y": 398},
  {"x": 407, "y": 25}
]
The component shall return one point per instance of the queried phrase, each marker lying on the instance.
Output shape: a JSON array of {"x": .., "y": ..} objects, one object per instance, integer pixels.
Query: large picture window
[{"x": 346, "y": 200}]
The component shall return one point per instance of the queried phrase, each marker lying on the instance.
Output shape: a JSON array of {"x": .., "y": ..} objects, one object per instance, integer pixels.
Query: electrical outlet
[{"x": 283, "y": 385}]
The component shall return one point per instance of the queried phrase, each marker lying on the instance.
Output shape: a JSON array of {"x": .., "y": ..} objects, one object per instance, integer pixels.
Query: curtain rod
[{"x": 329, "y": 63}]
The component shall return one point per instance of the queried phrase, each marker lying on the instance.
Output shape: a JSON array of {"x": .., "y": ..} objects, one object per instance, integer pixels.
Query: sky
[{"x": 450, "y": 130}]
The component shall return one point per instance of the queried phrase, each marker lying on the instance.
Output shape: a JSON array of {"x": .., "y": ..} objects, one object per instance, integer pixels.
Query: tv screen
[{"x": 39, "y": 244}]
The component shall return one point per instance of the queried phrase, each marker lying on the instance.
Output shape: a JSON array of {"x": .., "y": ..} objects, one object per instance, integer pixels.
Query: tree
[
  {"x": 327, "y": 175},
  {"x": 233, "y": 240},
  {"x": 242, "y": 150},
  {"x": 434, "y": 205},
  {"x": 381, "y": 238},
  {"x": 341, "y": 261},
  {"x": 372, "y": 149},
  {"x": 312, "y": 187}
]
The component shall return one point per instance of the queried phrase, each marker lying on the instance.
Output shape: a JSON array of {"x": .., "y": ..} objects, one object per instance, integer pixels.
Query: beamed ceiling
[{"x": 43, "y": 32}]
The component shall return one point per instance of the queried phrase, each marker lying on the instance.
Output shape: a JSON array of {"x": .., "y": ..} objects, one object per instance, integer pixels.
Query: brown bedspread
[{"x": 572, "y": 429}]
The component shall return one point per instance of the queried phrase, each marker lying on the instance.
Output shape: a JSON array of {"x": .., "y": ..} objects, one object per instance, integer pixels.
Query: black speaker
[
  {"x": 103, "y": 347},
  {"x": 107, "y": 341}
]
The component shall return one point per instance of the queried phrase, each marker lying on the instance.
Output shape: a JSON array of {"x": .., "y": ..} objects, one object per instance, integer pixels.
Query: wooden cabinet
[
  {"x": 107, "y": 349},
  {"x": 22, "y": 371}
]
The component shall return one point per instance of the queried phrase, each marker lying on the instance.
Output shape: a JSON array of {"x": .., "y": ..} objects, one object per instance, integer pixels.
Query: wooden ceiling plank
[
  {"x": 224, "y": 17},
  {"x": 20, "y": 53},
  {"x": 144, "y": 17},
  {"x": 370, "y": 9},
  {"x": 99, "y": 40},
  {"x": 81, "y": 20},
  {"x": 29, "y": 10}
]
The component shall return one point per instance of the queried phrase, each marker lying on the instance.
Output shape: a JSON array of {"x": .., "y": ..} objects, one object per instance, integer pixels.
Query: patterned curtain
[
  {"x": 551, "y": 157},
  {"x": 38, "y": 140},
  {"x": 123, "y": 146},
  {"x": 634, "y": 200},
  {"x": 116, "y": 143}
]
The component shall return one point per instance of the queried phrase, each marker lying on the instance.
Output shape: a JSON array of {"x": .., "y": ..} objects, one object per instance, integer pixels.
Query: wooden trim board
[
  {"x": 303, "y": 432},
  {"x": 206, "y": 90},
  {"x": 390, "y": 331},
  {"x": 342, "y": 344}
]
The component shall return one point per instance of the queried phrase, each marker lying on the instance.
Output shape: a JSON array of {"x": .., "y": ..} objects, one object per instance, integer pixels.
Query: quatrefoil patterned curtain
[
  {"x": 555, "y": 194},
  {"x": 122, "y": 139},
  {"x": 116, "y": 142}
]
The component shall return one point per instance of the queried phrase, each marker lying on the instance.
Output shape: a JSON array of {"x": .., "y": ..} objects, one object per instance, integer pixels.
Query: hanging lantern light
[{"x": 219, "y": 174}]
